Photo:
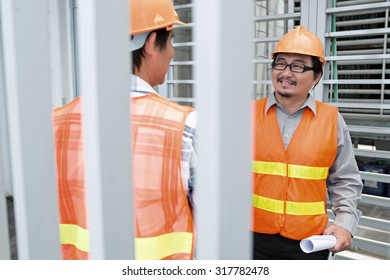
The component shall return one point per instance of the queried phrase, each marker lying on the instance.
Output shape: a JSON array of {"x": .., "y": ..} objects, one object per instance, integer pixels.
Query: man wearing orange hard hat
[
  {"x": 302, "y": 153},
  {"x": 162, "y": 134}
]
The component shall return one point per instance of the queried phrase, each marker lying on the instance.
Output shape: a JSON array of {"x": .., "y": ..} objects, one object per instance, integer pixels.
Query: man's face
[{"x": 290, "y": 84}]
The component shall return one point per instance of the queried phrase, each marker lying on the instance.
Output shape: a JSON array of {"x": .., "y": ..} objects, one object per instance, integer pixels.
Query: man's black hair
[{"x": 161, "y": 42}]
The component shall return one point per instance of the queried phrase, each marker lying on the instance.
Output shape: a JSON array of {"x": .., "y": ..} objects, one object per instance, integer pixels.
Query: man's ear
[
  {"x": 150, "y": 44},
  {"x": 316, "y": 80}
]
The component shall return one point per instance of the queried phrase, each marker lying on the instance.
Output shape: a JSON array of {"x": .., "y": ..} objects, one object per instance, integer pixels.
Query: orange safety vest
[
  {"x": 289, "y": 186},
  {"x": 163, "y": 221}
]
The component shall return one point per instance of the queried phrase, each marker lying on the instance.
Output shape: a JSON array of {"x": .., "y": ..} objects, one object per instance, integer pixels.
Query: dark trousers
[{"x": 277, "y": 247}]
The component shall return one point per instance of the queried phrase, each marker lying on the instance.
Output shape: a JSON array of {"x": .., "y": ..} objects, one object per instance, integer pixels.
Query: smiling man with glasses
[{"x": 301, "y": 153}]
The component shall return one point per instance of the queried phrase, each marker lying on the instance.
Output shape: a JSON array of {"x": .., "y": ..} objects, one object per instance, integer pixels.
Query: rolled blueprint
[{"x": 317, "y": 243}]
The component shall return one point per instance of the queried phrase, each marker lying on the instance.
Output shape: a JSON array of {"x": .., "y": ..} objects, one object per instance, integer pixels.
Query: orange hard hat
[
  {"x": 149, "y": 15},
  {"x": 300, "y": 40}
]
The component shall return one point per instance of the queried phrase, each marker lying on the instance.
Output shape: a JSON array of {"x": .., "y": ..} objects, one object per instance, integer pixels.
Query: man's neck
[{"x": 290, "y": 104}]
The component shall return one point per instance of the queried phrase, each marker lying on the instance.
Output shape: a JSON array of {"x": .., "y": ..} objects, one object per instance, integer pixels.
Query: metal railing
[{"x": 372, "y": 240}]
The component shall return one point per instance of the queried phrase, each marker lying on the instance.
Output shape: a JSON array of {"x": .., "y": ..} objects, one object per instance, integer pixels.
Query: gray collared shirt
[{"x": 344, "y": 181}]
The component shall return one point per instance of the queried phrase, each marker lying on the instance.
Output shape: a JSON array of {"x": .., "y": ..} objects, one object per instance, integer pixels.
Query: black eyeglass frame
[{"x": 305, "y": 68}]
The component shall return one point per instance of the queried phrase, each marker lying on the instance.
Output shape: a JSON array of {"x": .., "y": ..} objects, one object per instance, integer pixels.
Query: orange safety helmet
[
  {"x": 300, "y": 40},
  {"x": 149, "y": 15}
]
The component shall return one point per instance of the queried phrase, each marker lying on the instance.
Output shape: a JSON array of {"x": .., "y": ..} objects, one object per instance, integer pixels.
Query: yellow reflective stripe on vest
[
  {"x": 292, "y": 208},
  {"x": 305, "y": 208},
  {"x": 156, "y": 248},
  {"x": 268, "y": 204},
  {"x": 74, "y": 235},
  {"x": 294, "y": 171},
  {"x": 272, "y": 168},
  {"x": 307, "y": 172},
  {"x": 153, "y": 248}
]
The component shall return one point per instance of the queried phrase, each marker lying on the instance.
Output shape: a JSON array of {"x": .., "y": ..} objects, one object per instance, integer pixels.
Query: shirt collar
[
  {"x": 139, "y": 86},
  {"x": 310, "y": 103}
]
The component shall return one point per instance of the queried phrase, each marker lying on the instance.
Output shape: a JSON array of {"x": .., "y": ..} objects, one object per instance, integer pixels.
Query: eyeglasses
[{"x": 294, "y": 67}]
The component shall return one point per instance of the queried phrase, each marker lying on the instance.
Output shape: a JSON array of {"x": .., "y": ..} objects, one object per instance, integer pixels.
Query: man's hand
[{"x": 343, "y": 237}]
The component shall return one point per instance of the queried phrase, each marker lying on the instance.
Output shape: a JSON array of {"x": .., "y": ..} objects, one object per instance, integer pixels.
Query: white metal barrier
[
  {"x": 367, "y": 243},
  {"x": 223, "y": 91},
  {"x": 224, "y": 174}
]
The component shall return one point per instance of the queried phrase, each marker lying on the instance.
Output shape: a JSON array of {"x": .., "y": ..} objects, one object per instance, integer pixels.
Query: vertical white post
[
  {"x": 310, "y": 12},
  {"x": 104, "y": 78},
  {"x": 27, "y": 74},
  {"x": 60, "y": 54},
  {"x": 4, "y": 234},
  {"x": 313, "y": 17},
  {"x": 320, "y": 31},
  {"x": 4, "y": 135},
  {"x": 223, "y": 53}
]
